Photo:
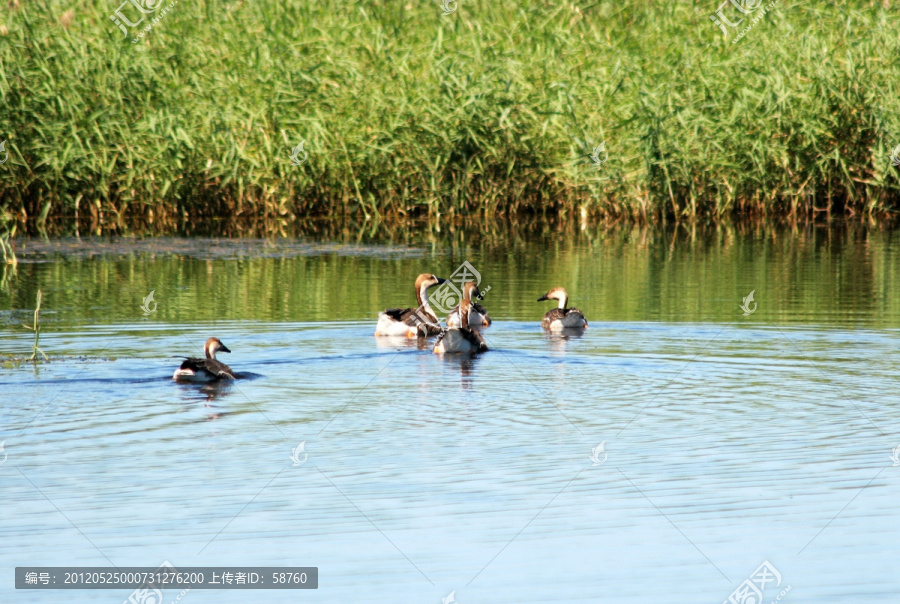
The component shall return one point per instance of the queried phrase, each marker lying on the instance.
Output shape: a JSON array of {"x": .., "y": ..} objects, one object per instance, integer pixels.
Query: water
[{"x": 727, "y": 439}]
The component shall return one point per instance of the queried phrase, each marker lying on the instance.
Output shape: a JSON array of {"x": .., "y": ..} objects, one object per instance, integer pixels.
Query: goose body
[
  {"x": 461, "y": 339},
  {"x": 412, "y": 322},
  {"x": 205, "y": 370},
  {"x": 478, "y": 316},
  {"x": 561, "y": 317}
]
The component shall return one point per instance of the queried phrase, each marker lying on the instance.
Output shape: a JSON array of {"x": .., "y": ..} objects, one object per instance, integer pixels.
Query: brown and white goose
[
  {"x": 478, "y": 316},
  {"x": 412, "y": 322},
  {"x": 205, "y": 370},
  {"x": 561, "y": 317},
  {"x": 461, "y": 339}
]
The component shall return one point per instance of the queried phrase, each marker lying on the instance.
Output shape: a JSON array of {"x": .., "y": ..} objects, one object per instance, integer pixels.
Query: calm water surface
[{"x": 727, "y": 439}]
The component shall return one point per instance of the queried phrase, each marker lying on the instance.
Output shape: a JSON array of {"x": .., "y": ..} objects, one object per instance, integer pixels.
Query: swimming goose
[
  {"x": 462, "y": 338},
  {"x": 478, "y": 316},
  {"x": 412, "y": 322},
  {"x": 561, "y": 318},
  {"x": 208, "y": 369}
]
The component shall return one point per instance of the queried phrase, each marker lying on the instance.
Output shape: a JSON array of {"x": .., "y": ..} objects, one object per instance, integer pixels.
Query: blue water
[
  {"x": 725, "y": 445},
  {"x": 727, "y": 440}
]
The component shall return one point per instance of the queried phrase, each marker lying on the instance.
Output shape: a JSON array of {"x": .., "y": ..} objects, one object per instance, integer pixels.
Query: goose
[
  {"x": 561, "y": 318},
  {"x": 478, "y": 316},
  {"x": 462, "y": 338},
  {"x": 412, "y": 322},
  {"x": 205, "y": 370}
]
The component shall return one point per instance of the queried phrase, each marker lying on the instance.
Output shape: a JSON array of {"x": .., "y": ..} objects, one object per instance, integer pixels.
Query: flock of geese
[{"x": 462, "y": 334}]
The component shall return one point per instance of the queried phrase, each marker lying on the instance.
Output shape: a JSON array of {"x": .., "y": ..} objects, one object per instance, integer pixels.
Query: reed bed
[{"x": 405, "y": 112}]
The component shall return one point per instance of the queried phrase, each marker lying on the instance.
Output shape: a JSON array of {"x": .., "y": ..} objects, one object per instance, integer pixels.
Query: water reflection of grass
[
  {"x": 493, "y": 109},
  {"x": 686, "y": 272}
]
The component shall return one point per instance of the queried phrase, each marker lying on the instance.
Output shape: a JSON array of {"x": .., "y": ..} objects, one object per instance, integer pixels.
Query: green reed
[
  {"x": 492, "y": 109},
  {"x": 36, "y": 328}
]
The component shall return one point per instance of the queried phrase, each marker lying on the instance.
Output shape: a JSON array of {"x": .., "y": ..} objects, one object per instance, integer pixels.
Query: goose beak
[
  {"x": 439, "y": 280},
  {"x": 224, "y": 348},
  {"x": 542, "y": 298}
]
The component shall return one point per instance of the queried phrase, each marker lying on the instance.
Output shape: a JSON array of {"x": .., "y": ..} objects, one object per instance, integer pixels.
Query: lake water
[{"x": 728, "y": 440}]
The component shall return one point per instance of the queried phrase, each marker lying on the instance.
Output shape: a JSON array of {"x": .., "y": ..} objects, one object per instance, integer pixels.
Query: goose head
[
  {"x": 471, "y": 291},
  {"x": 427, "y": 280},
  {"x": 214, "y": 345},
  {"x": 423, "y": 283},
  {"x": 557, "y": 293}
]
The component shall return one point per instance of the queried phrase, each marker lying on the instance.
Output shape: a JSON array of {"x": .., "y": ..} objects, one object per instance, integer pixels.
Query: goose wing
[
  {"x": 214, "y": 368},
  {"x": 193, "y": 363},
  {"x": 219, "y": 369},
  {"x": 556, "y": 314},
  {"x": 410, "y": 316},
  {"x": 474, "y": 336}
]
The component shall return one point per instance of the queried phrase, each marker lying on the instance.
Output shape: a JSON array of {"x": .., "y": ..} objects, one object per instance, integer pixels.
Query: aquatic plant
[
  {"x": 401, "y": 111},
  {"x": 36, "y": 328},
  {"x": 9, "y": 254}
]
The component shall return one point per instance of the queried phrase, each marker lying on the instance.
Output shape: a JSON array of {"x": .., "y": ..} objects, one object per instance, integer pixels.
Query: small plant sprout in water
[
  {"x": 895, "y": 156},
  {"x": 9, "y": 254},
  {"x": 896, "y": 456},
  {"x": 596, "y": 452},
  {"x": 449, "y": 7},
  {"x": 599, "y": 154},
  {"x": 746, "y": 304},
  {"x": 36, "y": 328},
  {"x": 148, "y": 300},
  {"x": 450, "y": 598},
  {"x": 295, "y": 454},
  {"x": 3, "y": 461},
  {"x": 298, "y": 155}
]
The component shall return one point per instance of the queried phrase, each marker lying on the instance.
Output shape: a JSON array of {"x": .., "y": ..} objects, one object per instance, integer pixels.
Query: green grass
[{"x": 492, "y": 109}]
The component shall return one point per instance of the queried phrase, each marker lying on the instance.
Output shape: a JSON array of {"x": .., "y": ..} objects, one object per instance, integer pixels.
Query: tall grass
[{"x": 492, "y": 109}]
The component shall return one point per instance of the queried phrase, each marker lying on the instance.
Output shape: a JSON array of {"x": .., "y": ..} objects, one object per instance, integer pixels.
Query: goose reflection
[
  {"x": 207, "y": 393},
  {"x": 394, "y": 342},
  {"x": 559, "y": 340},
  {"x": 465, "y": 364}
]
